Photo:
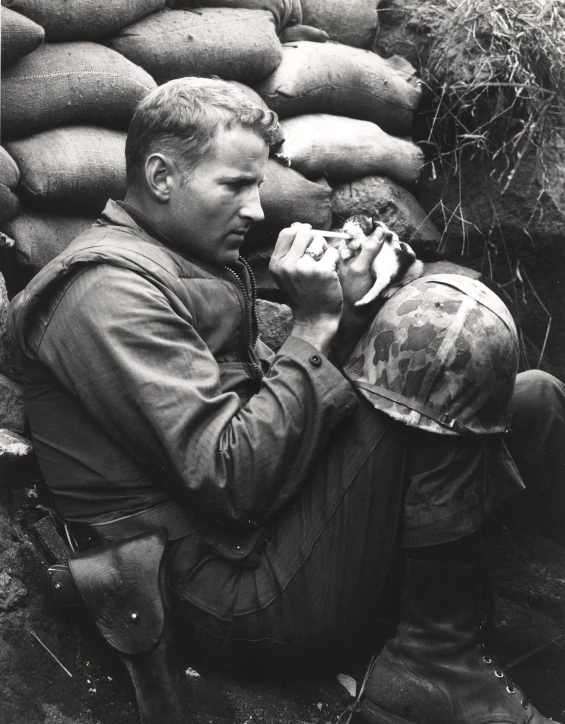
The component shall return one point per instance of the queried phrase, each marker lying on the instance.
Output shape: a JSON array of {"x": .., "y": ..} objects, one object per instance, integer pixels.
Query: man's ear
[{"x": 160, "y": 176}]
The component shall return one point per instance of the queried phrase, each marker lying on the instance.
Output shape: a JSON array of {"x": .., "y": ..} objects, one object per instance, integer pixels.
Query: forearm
[
  {"x": 352, "y": 327},
  {"x": 320, "y": 333}
]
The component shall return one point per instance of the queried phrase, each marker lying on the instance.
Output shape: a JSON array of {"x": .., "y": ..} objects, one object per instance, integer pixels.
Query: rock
[
  {"x": 407, "y": 27},
  {"x": 394, "y": 205},
  {"x": 12, "y": 592},
  {"x": 5, "y": 241},
  {"x": 15, "y": 453},
  {"x": 14, "y": 445},
  {"x": 12, "y": 414},
  {"x": 275, "y": 322},
  {"x": 5, "y": 339}
]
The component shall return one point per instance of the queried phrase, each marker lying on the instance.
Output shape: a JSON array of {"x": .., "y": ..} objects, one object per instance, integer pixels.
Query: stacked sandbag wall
[{"x": 73, "y": 72}]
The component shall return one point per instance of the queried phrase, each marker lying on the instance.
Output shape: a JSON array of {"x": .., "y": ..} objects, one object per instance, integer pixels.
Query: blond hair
[{"x": 182, "y": 117}]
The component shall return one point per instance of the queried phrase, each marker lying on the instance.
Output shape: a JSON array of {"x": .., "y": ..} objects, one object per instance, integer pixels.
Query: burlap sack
[
  {"x": 286, "y": 196},
  {"x": 285, "y": 12},
  {"x": 83, "y": 19},
  {"x": 20, "y": 35},
  {"x": 76, "y": 167},
  {"x": 303, "y": 32},
  {"x": 67, "y": 83},
  {"x": 337, "y": 79},
  {"x": 39, "y": 237},
  {"x": 346, "y": 148},
  {"x": 230, "y": 43},
  {"x": 9, "y": 179},
  {"x": 392, "y": 204},
  {"x": 353, "y": 22}
]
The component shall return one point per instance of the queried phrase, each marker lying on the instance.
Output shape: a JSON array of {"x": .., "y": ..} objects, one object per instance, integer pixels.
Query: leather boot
[
  {"x": 436, "y": 670},
  {"x": 123, "y": 587}
]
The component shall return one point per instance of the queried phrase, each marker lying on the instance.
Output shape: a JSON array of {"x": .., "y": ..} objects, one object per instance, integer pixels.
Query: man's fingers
[
  {"x": 301, "y": 242},
  {"x": 285, "y": 240},
  {"x": 370, "y": 249},
  {"x": 330, "y": 259},
  {"x": 389, "y": 235}
]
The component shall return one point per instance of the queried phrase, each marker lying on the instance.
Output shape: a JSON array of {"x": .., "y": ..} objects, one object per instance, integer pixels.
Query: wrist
[{"x": 318, "y": 332}]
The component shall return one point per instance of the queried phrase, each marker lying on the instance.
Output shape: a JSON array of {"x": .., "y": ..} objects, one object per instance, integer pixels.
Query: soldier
[{"x": 282, "y": 491}]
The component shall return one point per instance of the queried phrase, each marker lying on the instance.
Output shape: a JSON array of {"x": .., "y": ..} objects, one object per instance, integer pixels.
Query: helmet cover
[{"x": 441, "y": 355}]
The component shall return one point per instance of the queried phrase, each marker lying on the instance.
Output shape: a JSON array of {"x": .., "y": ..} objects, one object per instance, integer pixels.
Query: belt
[{"x": 170, "y": 515}]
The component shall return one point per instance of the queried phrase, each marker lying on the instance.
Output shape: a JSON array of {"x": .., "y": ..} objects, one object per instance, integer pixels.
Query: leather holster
[{"x": 123, "y": 586}]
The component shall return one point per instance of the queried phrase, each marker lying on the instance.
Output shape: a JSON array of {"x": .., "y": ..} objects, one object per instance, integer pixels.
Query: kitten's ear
[{"x": 374, "y": 223}]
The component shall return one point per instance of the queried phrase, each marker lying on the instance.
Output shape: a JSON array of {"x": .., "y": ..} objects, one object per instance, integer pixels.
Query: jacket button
[
  {"x": 316, "y": 360},
  {"x": 239, "y": 549}
]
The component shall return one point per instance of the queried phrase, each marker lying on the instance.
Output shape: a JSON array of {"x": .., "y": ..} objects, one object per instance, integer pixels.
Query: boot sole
[{"x": 375, "y": 715}]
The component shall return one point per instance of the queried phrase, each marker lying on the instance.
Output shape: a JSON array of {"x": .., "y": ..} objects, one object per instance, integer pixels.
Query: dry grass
[{"x": 497, "y": 74}]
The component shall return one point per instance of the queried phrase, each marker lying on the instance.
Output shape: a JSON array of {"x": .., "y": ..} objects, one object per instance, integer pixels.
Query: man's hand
[
  {"x": 356, "y": 279},
  {"x": 355, "y": 274},
  {"x": 312, "y": 288}
]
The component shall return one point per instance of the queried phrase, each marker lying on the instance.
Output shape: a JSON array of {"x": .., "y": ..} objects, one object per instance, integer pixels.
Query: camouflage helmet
[{"x": 441, "y": 355}]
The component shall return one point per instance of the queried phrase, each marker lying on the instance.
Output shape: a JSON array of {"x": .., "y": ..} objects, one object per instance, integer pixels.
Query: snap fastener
[
  {"x": 316, "y": 360},
  {"x": 239, "y": 549},
  {"x": 57, "y": 586},
  {"x": 134, "y": 616}
]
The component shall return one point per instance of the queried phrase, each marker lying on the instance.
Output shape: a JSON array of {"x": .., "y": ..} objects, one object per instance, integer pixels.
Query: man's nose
[{"x": 252, "y": 209}]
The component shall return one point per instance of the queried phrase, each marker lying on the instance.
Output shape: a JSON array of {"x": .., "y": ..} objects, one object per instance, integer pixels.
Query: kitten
[{"x": 394, "y": 266}]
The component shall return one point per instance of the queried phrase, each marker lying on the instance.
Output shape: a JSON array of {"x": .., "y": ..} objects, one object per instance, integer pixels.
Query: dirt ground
[{"x": 529, "y": 579}]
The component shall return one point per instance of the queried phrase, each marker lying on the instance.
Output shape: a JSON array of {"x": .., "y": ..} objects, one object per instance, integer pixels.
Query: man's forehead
[{"x": 237, "y": 151}]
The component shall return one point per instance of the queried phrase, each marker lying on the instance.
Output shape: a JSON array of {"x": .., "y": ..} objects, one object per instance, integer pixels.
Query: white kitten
[{"x": 393, "y": 267}]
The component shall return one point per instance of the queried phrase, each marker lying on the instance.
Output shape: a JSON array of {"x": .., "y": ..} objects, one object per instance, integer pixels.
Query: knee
[
  {"x": 538, "y": 415},
  {"x": 539, "y": 391}
]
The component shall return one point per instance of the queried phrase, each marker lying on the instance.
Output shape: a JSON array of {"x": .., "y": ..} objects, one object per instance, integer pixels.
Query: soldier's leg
[
  {"x": 537, "y": 443},
  {"x": 322, "y": 569}
]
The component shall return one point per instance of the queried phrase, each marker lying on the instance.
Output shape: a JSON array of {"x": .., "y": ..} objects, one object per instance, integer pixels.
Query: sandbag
[
  {"x": 285, "y": 12},
  {"x": 353, "y": 22},
  {"x": 337, "y": 79},
  {"x": 20, "y": 35},
  {"x": 345, "y": 148},
  {"x": 393, "y": 205},
  {"x": 9, "y": 179},
  {"x": 69, "y": 83},
  {"x": 76, "y": 167},
  {"x": 233, "y": 44},
  {"x": 303, "y": 32},
  {"x": 83, "y": 19},
  {"x": 39, "y": 237},
  {"x": 286, "y": 196}
]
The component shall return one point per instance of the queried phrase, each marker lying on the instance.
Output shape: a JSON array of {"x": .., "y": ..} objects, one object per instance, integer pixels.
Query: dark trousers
[{"x": 316, "y": 582}]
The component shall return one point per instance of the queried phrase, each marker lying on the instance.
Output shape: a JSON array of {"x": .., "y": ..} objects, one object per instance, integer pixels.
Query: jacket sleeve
[{"x": 143, "y": 373}]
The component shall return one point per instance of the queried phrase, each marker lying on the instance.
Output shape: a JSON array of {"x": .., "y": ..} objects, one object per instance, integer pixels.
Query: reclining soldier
[{"x": 283, "y": 483}]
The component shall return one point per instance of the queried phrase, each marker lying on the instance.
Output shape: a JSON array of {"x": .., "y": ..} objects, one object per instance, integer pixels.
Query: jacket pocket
[{"x": 243, "y": 548}]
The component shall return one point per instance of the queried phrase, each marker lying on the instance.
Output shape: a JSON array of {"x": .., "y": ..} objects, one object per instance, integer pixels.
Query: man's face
[{"x": 219, "y": 200}]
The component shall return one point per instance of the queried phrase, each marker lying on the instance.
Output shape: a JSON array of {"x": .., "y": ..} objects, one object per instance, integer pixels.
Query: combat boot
[{"x": 437, "y": 669}]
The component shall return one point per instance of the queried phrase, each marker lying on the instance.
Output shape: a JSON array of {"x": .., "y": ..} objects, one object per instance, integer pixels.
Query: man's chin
[{"x": 229, "y": 256}]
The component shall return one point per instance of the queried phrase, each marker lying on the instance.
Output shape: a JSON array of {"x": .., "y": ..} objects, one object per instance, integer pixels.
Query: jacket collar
[{"x": 118, "y": 213}]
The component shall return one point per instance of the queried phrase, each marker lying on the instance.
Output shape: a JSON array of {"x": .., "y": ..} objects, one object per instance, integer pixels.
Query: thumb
[{"x": 371, "y": 248}]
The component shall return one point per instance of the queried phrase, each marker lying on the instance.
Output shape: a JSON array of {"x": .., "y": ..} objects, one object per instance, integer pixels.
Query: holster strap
[
  {"x": 170, "y": 515},
  {"x": 121, "y": 585}
]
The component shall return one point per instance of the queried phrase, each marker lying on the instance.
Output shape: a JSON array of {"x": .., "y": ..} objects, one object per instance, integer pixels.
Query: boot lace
[{"x": 491, "y": 660}]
